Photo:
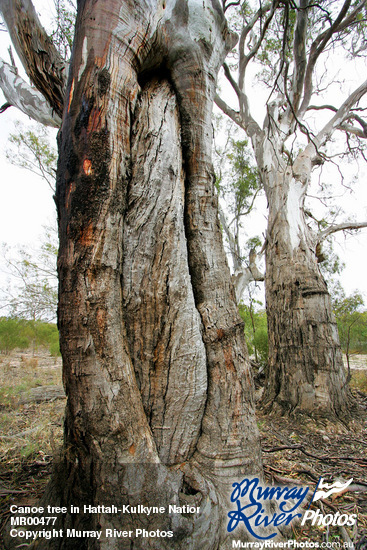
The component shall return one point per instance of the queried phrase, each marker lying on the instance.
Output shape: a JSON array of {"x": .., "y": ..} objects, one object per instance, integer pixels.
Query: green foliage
[
  {"x": 44, "y": 334},
  {"x": 64, "y": 23},
  {"x": 20, "y": 333},
  {"x": 32, "y": 288},
  {"x": 242, "y": 181},
  {"x": 256, "y": 331},
  {"x": 238, "y": 185},
  {"x": 31, "y": 149},
  {"x": 13, "y": 334},
  {"x": 352, "y": 323}
]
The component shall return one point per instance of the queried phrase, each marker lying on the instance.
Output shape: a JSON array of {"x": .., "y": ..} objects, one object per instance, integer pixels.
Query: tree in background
[
  {"x": 31, "y": 149},
  {"x": 160, "y": 401},
  {"x": 13, "y": 334},
  {"x": 32, "y": 289},
  {"x": 294, "y": 43},
  {"x": 255, "y": 328},
  {"x": 22, "y": 333},
  {"x": 352, "y": 324},
  {"x": 238, "y": 185}
]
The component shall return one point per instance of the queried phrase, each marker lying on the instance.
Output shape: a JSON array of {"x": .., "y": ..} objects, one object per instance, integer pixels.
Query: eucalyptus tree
[
  {"x": 32, "y": 289},
  {"x": 31, "y": 149},
  {"x": 160, "y": 401},
  {"x": 238, "y": 186},
  {"x": 296, "y": 44}
]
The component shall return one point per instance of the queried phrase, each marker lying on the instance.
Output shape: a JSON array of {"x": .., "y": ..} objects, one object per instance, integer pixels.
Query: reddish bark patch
[
  {"x": 132, "y": 449},
  {"x": 228, "y": 358},
  {"x": 87, "y": 236},
  {"x": 95, "y": 120},
  {"x": 71, "y": 94},
  {"x": 220, "y": 334},
  {"x": 101, "y": 321},
  {"x": 70, "y": 190},
  {"x": 87, "y": 167}
]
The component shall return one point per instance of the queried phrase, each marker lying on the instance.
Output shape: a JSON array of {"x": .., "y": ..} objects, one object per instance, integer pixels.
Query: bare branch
[
  {"x": 226, "y": 6},
  {"x": 41, "y": 60},
  {"x": 341, "y": 114},
  {"x": 341, "y": 23},
  {"x": 228, "y": 232},
  {"x": 352, "y": 129},
  {"x": 28, "y": 100},
  {"x": 299, "y": 54},
  {"x": 5, "y": 106},
  {"x": 231, "y": 113},
  {"x": 231, "y": 80},
  {"x": 321, "y": 107},
  {"x": 349, "y": 129},
  {"x": 12, "y": 59},
  {"x": 245, "y": 59},
  {"x": 242, "y": 277},
  {"x": 340, "y": 227}
]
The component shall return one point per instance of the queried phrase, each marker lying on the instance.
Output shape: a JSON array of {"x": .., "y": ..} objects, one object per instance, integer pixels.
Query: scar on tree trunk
[{"x": 160, "y": 407}]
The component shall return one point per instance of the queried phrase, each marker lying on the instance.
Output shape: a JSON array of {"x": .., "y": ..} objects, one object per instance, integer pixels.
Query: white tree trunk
[{"x": 305, "y": 371}]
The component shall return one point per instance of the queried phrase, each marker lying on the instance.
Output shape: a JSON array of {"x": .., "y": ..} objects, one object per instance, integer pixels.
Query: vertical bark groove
[{"x": 163, "y": 326}]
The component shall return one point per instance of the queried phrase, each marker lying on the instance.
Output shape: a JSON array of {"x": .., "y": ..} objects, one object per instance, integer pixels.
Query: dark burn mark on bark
[
  {"x": 82, "y": 120},
  {"x": 104, "y": 81},
  {"x": 93, "y": 185}
]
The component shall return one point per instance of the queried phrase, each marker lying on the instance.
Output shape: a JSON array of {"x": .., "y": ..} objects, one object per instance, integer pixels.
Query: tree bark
[
  {"x": 160, "y": 404},
  {"x": 305, "y": 371},
  {"x": 40, "y": 58}
]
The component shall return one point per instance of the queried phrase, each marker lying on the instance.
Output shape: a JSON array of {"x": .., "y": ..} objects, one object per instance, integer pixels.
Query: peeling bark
[
  {"x": 20, "y": 95},
  {"x": 41, "y": 60}
]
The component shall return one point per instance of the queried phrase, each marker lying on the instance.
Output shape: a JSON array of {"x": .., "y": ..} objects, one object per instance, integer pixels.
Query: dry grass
[
  {"x": 28, "y": 429},
  {"x": 30, "y": 432},
  {"x": 359, "y": 380}
]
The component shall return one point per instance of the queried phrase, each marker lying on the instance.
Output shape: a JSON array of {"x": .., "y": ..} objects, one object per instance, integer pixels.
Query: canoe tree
[{"x": 159, "y": 396}]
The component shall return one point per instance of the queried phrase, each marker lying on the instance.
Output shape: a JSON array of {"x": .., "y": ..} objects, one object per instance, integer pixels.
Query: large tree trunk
[
  {"x": 305, "y": 371},
  {"x": 160, "y": 400}
]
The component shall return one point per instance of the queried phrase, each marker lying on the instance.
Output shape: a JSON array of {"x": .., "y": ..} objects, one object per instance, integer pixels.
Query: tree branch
[
  {"x": 321, "y": 107},
  {"x": 341, "y": 114},
  {"x": 340, "y": 227},
  {"x": 245, "y": 59},
  {"x": 242, "y": 277},
  {"x": 231, "y": 80},
  {"x": 41, "y": 60},
  {"x": 226, "y": 6},
  {"x": 299, "y": 53},
  {"x": 28, "y": 100},
  {"x": 231, "y": 113},
  {"x": 5, "y": 106},
  {"x": 341, "y": 23},
  {"x": 349, "y": 129},
  {"x": 232, "y": 240}
]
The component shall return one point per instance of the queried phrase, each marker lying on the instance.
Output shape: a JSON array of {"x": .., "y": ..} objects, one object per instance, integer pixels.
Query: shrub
[{"x": 13, "y": 334}]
